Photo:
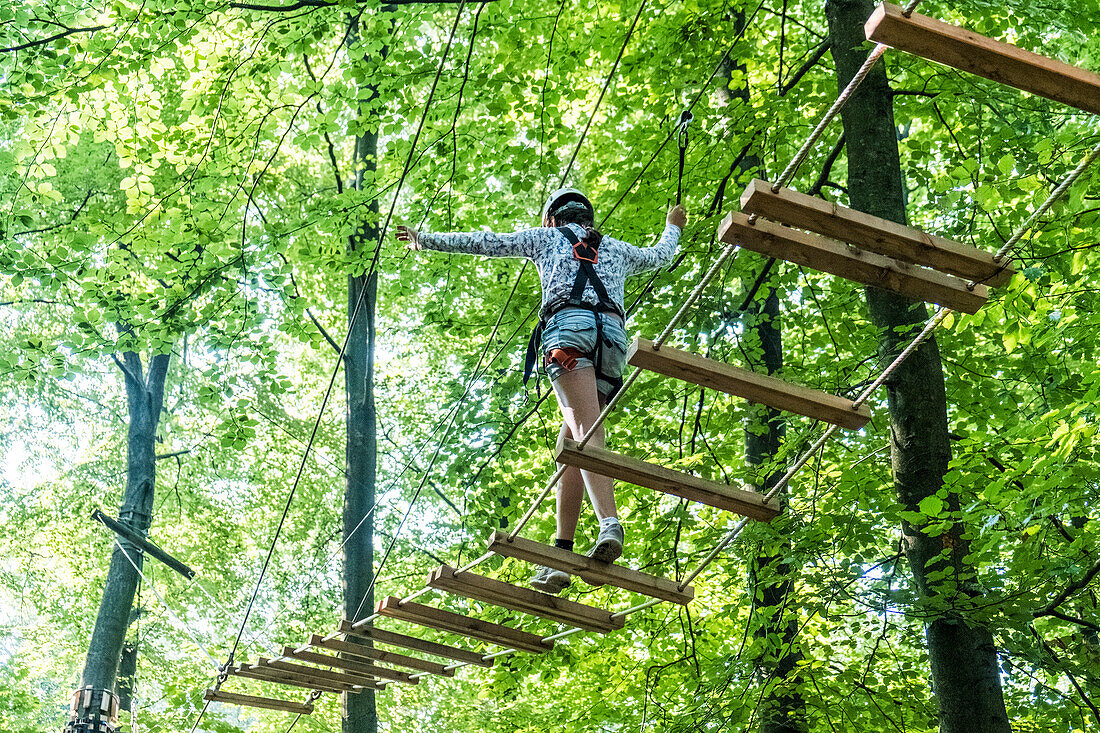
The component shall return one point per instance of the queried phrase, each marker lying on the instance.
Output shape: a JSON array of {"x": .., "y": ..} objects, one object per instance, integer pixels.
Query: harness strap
[{"x": 586, "y": 256}]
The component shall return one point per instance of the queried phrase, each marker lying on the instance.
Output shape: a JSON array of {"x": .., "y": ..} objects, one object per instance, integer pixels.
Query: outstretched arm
[
  {"x": 527, "y": 243},
  {"x": 660, "y": 254}
]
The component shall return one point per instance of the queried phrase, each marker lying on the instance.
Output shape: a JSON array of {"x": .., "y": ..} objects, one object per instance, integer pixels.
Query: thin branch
[
  {"x": 802, "y": 70},
  {"x": 335, "y": 346},
  {"x": 325, "y": 4},
  {"x": 1070, "y": 590},
  {"x": 51, "y": 39}
]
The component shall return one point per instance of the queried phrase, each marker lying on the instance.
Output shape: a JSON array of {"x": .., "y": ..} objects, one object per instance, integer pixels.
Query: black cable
[
  {"x": 698, "y": 96},
  {"x": 606, "y": 84},
  {"x": 340, "y": 357}
]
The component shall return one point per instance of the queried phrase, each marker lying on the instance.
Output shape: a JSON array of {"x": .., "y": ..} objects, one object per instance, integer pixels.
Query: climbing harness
[
  {"x": 686, "y": 119},
  {"x": 586, "y": 254}
]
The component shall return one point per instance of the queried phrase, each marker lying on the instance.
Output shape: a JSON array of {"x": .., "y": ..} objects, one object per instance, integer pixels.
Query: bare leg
[
  {"x": 580, "y": 406},
  {"x": 570, "y": 489}
]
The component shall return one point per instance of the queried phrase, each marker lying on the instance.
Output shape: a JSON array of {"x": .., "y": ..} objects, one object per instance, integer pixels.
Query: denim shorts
[{"x": 576, "y": 328}]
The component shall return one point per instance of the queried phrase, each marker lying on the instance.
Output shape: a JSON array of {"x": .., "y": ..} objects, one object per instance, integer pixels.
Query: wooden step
[
  {"x": 589, "y": 570},
  {"x": 323, "y": 675},
  {"x": 266, "y": 674},
  {"x": 252, "y": 701},
  {"x": 651, "y": 476},
  {"x": 411, "y": 642},
  {"x": 750, "y": 385},
  {"x": 367, "y": 654},
  {"x": 456, "y": 623},
  {"x": 524, "y": 600},
  {"x": 873, "y": 233},
  {"x": 1001, "y": 62},
  {"x": 366, "y": 668},
  {"x": 842, "y": 260}
]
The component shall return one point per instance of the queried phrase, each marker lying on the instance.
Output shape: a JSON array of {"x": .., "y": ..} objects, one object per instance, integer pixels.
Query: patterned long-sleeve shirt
[{"x": 553, "y": 256}]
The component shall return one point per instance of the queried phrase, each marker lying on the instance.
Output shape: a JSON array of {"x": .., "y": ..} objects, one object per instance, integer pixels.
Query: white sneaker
[
  {"x": 549, "y": 580},
  {"x": 609, "y": 543}
]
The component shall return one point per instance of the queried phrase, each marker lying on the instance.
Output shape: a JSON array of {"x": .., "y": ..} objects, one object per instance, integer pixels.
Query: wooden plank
[
  {"x": 369, "y": 653},
  {"x": 873, "y": 233},
  {"x": 411, "y": 642},
  {"x": 252, "y": 701},
  {"x": 456, "y": 623},
  {"x": 652, "y": 476},
  {"x": 750, "y": 385},
  {"x": 589, "y": 570},
  {"x": 366, "y": 668},
  {"x": 995, "y": 60},
  {"x": 322, "y": 675},
  {"x": 866, "y": 268},
  {"x": 524, "y": 600},
  {"x": 266, "y": 674}
]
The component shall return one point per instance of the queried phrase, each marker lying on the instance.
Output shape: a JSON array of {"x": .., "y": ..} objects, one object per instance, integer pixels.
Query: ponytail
[{"x": 592, "y": 237}]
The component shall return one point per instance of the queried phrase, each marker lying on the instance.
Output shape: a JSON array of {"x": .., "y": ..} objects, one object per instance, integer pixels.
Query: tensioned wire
[
  {"x": 928, "y": 329},
  {"x": 473, "y": 379},
  {"x": 416, "y": 495},
  {"x": 336, "y": 368}
]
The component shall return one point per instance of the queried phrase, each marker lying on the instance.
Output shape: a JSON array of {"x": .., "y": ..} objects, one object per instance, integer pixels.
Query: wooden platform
[
  {"x": 456, "y": 623},
  {"x": 842, "y": 260},
  {"x": 320, "y": 675},
  {"x": 252, "y": 701},
  {"x": 266, "y": 674},
  {"x": 985, "y": 57},
  {"x": 873, "y": 233},
  {"x": 352, "y": 666},
  {"x": 367, "y": 654},
  {"x": 589, "y": 570},
  {"x": 651, "y": 476},
  {"x": 750, "y": 385},
  {"x": 524, "y": 600},
  {"x": 411, "y": 642}
]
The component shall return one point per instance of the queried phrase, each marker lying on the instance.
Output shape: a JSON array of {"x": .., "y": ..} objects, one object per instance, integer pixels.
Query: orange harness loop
[{"x": 565, "y": 358}]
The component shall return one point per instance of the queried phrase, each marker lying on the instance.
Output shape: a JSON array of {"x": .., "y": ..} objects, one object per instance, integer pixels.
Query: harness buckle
[{"x": 585, "y": 252}]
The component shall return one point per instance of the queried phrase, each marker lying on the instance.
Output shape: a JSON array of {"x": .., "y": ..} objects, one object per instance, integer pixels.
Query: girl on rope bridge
[{"x": 584, "y": 341}]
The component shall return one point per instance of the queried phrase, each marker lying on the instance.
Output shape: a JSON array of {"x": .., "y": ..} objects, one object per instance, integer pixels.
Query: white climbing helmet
[{"x": 561, "y": 197}]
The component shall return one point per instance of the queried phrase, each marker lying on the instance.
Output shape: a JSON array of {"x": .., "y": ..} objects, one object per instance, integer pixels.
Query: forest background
[{"x": 180, "y": 178}]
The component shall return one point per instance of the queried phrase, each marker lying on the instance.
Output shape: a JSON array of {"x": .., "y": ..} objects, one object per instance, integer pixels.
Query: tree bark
[
  {"x": 360, "y": 714},
  {"x": 771, "y": 575},
  {"x": 145, "y": 395},
  {"x": 965, "y": 674}
]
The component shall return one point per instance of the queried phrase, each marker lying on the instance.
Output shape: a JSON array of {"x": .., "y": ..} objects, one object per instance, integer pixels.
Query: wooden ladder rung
[
  {"x": 456, "y": 623},
  {"x": 873, "y": 233},
  {"x": 842, "y": 260},
  {"x": 323, "y": 675},
  {"x": 1001, "y": 62},
  {"x": 589, "y": 570},
  {"x": 252, "y": 701},
  {"x": 367, "y": 654},
  {"x": 266, "y": 674},
  {"x": 352, "y": 666},
  {"x": 524, "y": 600},
  {"x": 411, "y": 642},
  {"x": 750, "y": 385},
  {"x": 638, "y": 472}
]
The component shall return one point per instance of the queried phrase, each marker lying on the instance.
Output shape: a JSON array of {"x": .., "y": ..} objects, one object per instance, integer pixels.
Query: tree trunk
[
  {"x": 360, "y": 711},
  {"x": 771, "y": 577},
  {"x": 965, "y": 674},
  {"x": 144, "y": 396}
]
